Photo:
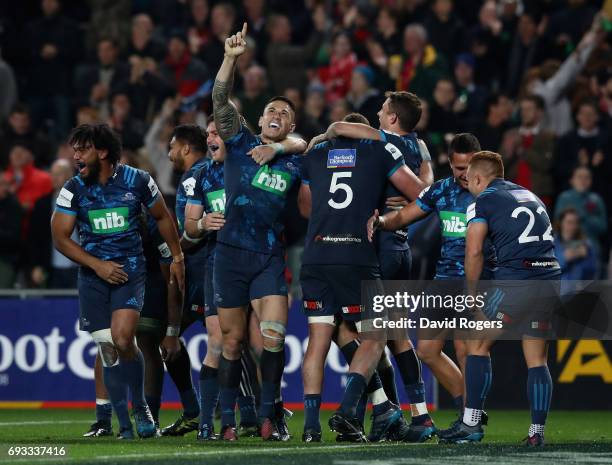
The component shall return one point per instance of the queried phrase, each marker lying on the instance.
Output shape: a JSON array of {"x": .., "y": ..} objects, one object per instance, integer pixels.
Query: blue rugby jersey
[
  {"x": 519, "y": 229},
  {"x": 347, "y": 179},
  {"x": 209, "y": 192},
  {"x": 185, "y": 188},
  {"x": 108, "y": 214},
  {"x": 255, "y": 195},
  {"x": 450, "y": 202},
  {"x": 409, "y": 146},
  {"x": 154, "y": 246}
]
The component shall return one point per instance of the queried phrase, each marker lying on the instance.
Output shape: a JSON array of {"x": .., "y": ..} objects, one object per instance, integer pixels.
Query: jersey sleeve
[
  {"x": 67, "y": 201},
  {"x": 426, "y": 200},
  {"x": 148, "y": 189},
  {"x": 393, "y": 158},
  {"x": 477, "y": 212},
  {"x": 243, "y": 136},
  {"x": 195, "y": 194}
]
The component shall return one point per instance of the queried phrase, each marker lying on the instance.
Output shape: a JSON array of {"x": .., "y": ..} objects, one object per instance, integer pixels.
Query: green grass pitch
[{"x": 572, "y": 437}]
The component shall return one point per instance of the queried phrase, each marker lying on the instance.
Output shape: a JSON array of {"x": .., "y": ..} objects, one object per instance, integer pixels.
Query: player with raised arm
[
  {"x": 449, "y": 198},
  {"x": 398, "y": 117},
  {"x": 337, "y": 257},
  {"x": 105, "y": 200},
  {"x": 517, "y": 224},
  {"x": 249, "y": 256}
]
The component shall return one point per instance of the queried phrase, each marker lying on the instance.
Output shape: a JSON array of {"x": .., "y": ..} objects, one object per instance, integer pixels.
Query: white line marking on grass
[{"x": 55, "y": 422}]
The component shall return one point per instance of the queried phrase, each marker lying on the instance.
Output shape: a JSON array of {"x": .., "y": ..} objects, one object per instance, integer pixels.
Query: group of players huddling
[{"x": 142, "y": 282}]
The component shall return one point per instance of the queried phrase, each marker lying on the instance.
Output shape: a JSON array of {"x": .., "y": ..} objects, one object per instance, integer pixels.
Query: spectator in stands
[
  {"x": 336, "y": 77},
  {"x": 55, "y": 46},
  {"x": 574, "y": 251},
  {"x": 10, "y": 233},
  {"x": 131, "y": 130},
  {"x": 19, "y": 130},
  {"x": 182, "y": 71},
  {"x": 146, "y": 88},
  {"x": 444, "y": 110},
  {"x": 491, "y": 131},
  {"x": 49, "y": 268},
  {"x": 95, "y": 83},
  {"x": 26, "y": 182},
  {"x": 422, "y": 65},
  {"x": 257, "y": 20},
  {"x": 528, "y": 151},
  {"x": 528, "y": 49},
  {"x": 589, "y": 206},
  {"x": 222, "y": 20},
  {"x": 156, "y": 145},
  {"x": 254, "y": 95},
  {"x": 552, "y": 80},
  {"x": 445, "y": 30},
  {"x": 305, "y": 125},
  {"x": 198, "y": 32},
  {"x": 286, "y": 62},
  {"x": 315, "y": 104},
  {"x": 568, "y": 23},
  {"x": 8, "y": 88},
  {"x": 339, "y": 109},
  {"x": 387, "y": 33},
  {"x": 364, "y": 98},
  {"x": 142, "y": 42},
  {"x": 471, "y": 96},
  {"x": 584, "y": 146}
]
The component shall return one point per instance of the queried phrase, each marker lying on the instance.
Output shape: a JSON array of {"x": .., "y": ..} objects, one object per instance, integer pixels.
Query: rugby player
[
  {"x": 337, "y": 257},
  {"x": 398, "y": 117},
  {"x": 449, "y": 199},
  {"x": 517, "y": 224},
  {"x": 105, "y": 200},
  {"x": 187, "y": 154},
  {"x": 249, "y": 256}
]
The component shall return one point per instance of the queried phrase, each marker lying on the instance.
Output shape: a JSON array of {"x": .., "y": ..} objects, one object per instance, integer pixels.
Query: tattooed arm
[{"x": 227, "y": 118}]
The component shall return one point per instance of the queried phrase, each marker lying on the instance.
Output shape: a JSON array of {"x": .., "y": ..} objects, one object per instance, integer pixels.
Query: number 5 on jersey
[{"x": 336, "y": 186}]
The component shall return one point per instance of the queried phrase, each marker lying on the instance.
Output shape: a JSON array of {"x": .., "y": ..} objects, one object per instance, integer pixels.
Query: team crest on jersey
[
  {"x": 341, "y": 158},
  {"x": 128, "y": 197}
]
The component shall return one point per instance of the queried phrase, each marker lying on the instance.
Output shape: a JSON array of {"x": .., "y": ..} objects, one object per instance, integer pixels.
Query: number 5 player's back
[{"x": 347, "y": 179}]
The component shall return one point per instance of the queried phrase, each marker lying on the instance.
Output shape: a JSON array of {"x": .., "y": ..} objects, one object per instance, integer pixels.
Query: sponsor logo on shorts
[
  {"x": 216, "y": 200},
  {"x": 341, "y": 158},
  {"x": 543, "y": 263},
  {"x": 313, "y": 305},
  {"x": 338, "y": 239},
  {"x": 453, "y": 224},
  {"x": 109, "y": 220},
  {"x": 274, "y": 181},
  {"x": 352, "y": 309}
]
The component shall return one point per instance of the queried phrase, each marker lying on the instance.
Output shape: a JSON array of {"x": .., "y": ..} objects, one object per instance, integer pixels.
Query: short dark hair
[
  {"x": 356, "y": 118},
  {"x": 490, "y": 163},
  {"x": 112, "y": 41},
  {"x": 463, "y": 143},
  {"x": 493, "y": 99},
  {"x": 19, "y": 108},
  {"x": 407, "y": 106},
  {"x": 191, "y": 134},
  {"x": 101, "y": 136},
  {"x": 210, "y": 119},
  {"x": 536, "y": 99},
  {"x": 282, "y": 98}
]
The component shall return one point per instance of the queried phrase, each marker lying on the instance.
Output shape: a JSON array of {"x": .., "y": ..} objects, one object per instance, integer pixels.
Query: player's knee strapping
[
  {"x": 273, "y": 333},
  {"x": 106, "y": 347}
]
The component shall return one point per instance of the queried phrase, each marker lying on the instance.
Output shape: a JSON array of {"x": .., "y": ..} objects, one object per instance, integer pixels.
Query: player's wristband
[
  {"x": 278, "y": 148},
  {"x": 193, "y": 240},
  {"x": 178, "y": 258},
  {"x": 173, "y": 331}
]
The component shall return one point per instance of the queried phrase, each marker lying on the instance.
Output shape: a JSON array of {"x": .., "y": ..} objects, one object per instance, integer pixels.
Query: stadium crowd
[{"x": 532, "y": 80}]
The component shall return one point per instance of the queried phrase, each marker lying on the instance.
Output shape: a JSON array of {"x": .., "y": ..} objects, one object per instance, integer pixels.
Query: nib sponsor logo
[
  {"x": 453, "y": 224},
  {"x": 109, "y": 220},
  {"x": 274, "y": 181}
]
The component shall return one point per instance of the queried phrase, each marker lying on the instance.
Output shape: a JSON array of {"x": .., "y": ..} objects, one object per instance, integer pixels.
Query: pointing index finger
[{"x": 244, "y": 29}]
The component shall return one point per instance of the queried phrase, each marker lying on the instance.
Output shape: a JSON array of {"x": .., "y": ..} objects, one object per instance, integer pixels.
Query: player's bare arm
[
  {"x": 198, "y": 224},
  {"x": 167, "y": 229},
  {"x": 474, "y": 258},
  {"x": 407, "y": 182},
  {"x": 394, "y": 220},
  {"x": 344, "y": 129},
  {"x": 62, "y": 225},
  {"x": 263, "y": 154},
  {"x": 170, "y": 345},
  {"x": 227, "y": 117}
]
